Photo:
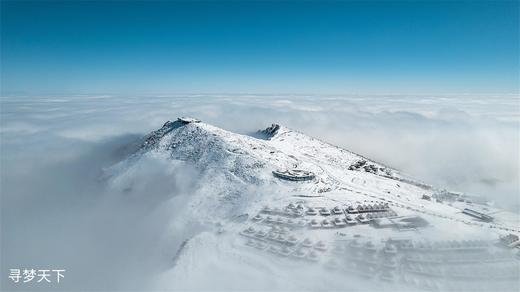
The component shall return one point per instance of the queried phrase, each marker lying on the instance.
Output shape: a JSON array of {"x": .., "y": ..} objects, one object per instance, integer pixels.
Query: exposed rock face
[{"x": 269, "y": 132}]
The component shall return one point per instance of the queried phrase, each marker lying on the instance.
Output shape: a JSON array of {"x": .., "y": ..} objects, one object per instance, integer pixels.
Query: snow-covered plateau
[{"x": 280, "y": 210}]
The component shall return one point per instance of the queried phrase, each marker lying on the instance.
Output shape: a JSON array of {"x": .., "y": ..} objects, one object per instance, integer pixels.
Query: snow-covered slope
[{"x": 237, "y": 199}]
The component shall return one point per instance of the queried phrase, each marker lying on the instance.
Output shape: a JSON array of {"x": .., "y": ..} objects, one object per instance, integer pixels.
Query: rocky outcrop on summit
[{"x": 268, "y": 132}]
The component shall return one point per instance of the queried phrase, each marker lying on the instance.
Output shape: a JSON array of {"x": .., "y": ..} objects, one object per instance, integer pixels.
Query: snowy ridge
[{"x": 250, "y": 161}]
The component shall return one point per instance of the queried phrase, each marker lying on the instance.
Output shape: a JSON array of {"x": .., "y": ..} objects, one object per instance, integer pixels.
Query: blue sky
[{"x": 259, "y": 47}]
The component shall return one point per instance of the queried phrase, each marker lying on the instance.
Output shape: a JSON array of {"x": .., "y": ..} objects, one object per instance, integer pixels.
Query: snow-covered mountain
[{"x": 287, "y": 206}]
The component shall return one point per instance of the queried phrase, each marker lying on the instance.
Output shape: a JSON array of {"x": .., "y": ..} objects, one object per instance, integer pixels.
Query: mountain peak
[
  {"x": 155, "y": 136},
  {"x": 290, "y": 195}
]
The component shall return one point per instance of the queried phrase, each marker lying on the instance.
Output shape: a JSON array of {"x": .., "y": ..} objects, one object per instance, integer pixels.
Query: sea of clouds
[{"x": 58, "y": 212}]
